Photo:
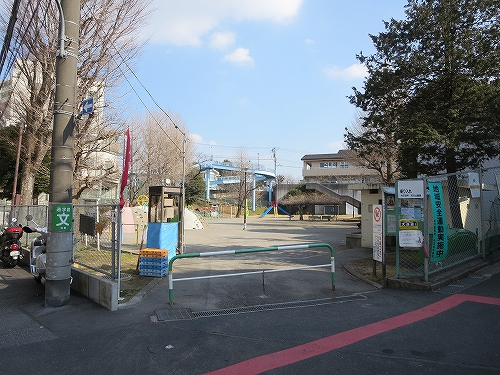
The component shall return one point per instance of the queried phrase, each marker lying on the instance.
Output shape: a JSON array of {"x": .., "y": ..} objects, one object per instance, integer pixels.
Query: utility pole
[
  {"x": 15, "y": 200},
  {"x": 60, "y": 220},
  {"x": 245, "y": 201},
  {"x": 277, "y": 182}
]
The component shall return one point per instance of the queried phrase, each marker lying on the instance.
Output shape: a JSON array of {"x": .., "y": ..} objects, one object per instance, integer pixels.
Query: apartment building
[
  {"x": 342, "y": 167},
  {"x": 335, "y": 175}
]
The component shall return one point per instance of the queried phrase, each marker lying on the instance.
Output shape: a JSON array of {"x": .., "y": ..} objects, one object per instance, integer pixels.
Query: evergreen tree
[
  {"x": 434, "y": 85},
  {"x": 195, "y": 187}
]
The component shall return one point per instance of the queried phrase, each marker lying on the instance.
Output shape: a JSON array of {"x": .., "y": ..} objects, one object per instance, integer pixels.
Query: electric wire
[{"x": 8, "y": 36}]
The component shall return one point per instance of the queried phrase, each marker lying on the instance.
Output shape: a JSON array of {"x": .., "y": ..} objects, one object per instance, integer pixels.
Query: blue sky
[{"x": 260, "y": 74}]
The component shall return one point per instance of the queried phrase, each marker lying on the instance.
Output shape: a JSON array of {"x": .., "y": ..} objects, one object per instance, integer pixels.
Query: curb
[
  {"x": 441, "y": 280},
  {"x": 140, "y": 295},
  {"x": 449, "y": 277},
  {"x": 352, "y": 272}
]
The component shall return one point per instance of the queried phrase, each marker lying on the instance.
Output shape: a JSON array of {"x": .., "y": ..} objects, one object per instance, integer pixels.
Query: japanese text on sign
[
  {"x": 439, "y": 248},
  {"x": 408, "y": 224},
  {"x": 62, "y": 217},
  {"x": 410, "y": 189}
]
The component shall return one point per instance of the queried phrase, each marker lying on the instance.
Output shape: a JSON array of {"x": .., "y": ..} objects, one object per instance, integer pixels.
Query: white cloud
[
  {"x": 222, "y": 40},
  {"x": 240, "y": 56},
  {"x": 198, "y": 139},
  {"x": 335, "y": 146},
  {"x": 185, "y": 22},
  {"x": 195, "y": 138},
  {"x": 353, "y": 72},
  {"x": 309, "y": 41}
]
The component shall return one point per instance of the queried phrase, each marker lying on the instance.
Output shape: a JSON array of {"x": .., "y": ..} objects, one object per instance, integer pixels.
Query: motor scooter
[
  {"x": 10, "y": 244},
  {"x": 38, "y": 256}
]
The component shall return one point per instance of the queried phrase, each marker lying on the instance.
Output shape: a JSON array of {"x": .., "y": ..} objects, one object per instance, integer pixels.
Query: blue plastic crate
[
  {"x": 153, "y": 273},
  {"x": 153, "y": 261},
  {"x": 153, "y": 267}
]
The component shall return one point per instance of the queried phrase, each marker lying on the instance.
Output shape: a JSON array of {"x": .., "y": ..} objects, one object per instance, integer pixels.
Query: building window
[
  {"x": 330, "y": 165},
  {"x": 344, "y": 164}
]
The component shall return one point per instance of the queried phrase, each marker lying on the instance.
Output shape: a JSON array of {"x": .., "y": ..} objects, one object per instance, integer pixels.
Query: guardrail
[{"x": 245, "y": 251}]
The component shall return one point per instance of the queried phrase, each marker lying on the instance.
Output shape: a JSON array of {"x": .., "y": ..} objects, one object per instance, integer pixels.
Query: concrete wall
[{"x": 98, "y": 289}]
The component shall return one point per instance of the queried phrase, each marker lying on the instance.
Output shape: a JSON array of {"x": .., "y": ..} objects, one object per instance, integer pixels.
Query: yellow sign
[
  {"x": 142, "y": 200},
  {"x": 408, "y": 224}
]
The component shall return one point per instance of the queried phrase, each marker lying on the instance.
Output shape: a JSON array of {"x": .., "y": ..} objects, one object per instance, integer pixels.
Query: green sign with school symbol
[{"x": 62, "y": 217}]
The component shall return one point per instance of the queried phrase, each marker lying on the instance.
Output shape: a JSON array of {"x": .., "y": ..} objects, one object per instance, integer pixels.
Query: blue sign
[{"x": 88, "y": 106}]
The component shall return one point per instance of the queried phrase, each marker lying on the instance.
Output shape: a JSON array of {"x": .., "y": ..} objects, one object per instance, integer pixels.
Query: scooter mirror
[{"x": 29, "y": 217}]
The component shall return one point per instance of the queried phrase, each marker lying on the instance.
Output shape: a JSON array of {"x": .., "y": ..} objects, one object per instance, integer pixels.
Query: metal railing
[{"x": 245, "y": 251}]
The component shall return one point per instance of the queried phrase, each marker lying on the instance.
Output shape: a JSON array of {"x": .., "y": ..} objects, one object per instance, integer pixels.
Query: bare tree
[
  {"x": 157, "y": 149},
  {"x": 108, "y": 39},
  {"x": 243, "y": 174},
  {"x": 376, "y": 151}
]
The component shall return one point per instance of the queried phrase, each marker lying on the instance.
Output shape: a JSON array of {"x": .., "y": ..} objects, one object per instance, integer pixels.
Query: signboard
[
  {"x": 410, "y": 189},
  {"x": 439, "y": 248},
  {"x": 88, "y": 106},
  {"x": 391, "y": 224},
  {"x": 410, "y": 215},
  {"x": 475, "y": 191},
  {"x": 390, "y": 215},
  {"x": 408, "y": 224},
  {"x": 410, "y": 238},
  {"x": 62, "y": 217},
  {"x": 377, "y": 246},
  {"x": 377, "y": 233},
  {"x": 87, "y": 225}
]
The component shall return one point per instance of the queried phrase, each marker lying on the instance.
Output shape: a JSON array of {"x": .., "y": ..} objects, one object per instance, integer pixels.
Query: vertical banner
[
  {"x": 126, "y": 163},
  {"x": 439, "y": 248}
]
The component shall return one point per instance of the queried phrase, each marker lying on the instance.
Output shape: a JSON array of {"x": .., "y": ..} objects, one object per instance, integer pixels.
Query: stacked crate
[{"x": 153, "y": 262}]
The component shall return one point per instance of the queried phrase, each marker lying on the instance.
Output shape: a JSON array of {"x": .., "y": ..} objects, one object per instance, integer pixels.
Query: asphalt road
[{"x": 232, "y": 325}]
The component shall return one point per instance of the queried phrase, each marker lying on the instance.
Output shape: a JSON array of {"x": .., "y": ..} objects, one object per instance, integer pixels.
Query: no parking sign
[{"x": 377, "y": 232}]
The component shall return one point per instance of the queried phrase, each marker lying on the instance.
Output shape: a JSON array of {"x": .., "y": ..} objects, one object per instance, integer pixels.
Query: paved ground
[
  {"x": 228, "y": 234},
  {"x": 238, "y": 326}
]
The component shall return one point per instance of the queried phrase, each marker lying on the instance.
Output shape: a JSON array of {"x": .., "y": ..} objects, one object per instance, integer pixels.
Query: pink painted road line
[{"x": 285, "y": 357}]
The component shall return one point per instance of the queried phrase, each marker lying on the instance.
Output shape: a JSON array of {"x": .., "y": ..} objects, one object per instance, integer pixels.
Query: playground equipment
[
  {"x": 274, "y": 205},
  {"x": 255, "y": 174}
]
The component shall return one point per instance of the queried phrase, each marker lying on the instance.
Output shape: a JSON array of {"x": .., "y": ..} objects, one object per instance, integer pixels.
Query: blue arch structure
[{"x": 258, "y": 174}]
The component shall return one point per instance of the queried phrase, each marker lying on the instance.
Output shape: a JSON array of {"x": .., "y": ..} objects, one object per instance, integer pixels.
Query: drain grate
[
  {"x": 450, "y": 289},
  {"x": 174, "y": 314},
  {"x": 186, "y": 314},
  {"x": 276, "y": 306},
  {"x": 461, "y": 284},
  {"x": 471, "y": 280}
]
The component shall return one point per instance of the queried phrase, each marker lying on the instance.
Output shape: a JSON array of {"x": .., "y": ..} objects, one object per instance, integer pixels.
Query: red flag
[{"x": 126, "y": 164}]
